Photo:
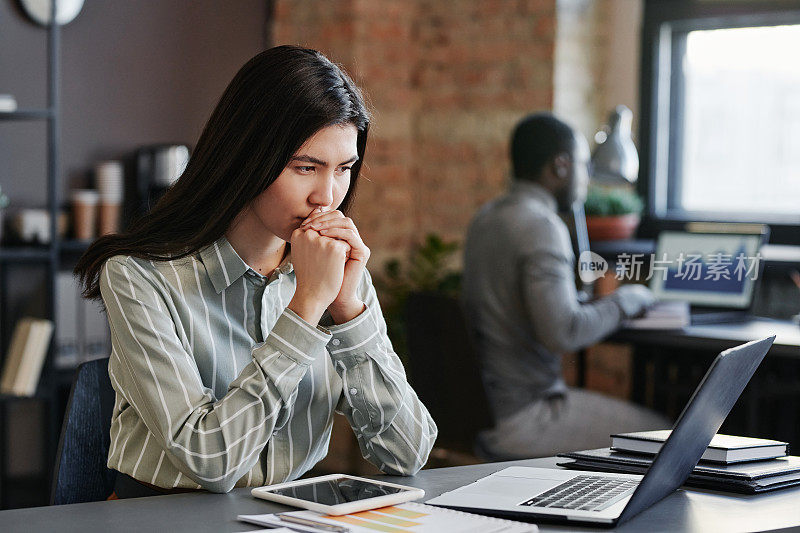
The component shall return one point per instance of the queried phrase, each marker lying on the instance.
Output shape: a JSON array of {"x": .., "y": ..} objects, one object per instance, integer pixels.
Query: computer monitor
[{"x": 707, "y": 269}]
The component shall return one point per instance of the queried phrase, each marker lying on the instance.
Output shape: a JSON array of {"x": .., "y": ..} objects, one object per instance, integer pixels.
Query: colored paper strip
[
  {"x": 369, "y": 525},
  {"x": 400, "y": 512},
  {"x": 377, "y": 517}
]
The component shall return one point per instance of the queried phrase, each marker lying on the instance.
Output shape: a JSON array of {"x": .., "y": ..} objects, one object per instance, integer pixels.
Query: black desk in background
[
  {"x": 669, "y": 364},
  {"x": 719, "y": 336}
]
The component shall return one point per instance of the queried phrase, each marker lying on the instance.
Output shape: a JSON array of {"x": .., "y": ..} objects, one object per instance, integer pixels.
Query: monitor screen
[{"x": 706, "y": 269}]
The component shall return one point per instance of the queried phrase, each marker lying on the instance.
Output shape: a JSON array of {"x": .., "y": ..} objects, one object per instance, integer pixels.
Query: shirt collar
[
  {"x": 532, "y": 189},
  {"x": 223, "y": 264},
  {"x": 286, "y": 266}
]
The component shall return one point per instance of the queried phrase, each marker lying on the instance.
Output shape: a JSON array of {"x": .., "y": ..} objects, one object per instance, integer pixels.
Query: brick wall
[
  {"x": 446, "y": 81},
  {"x": 581, "y": 41},
  {"x": 597, "y": 60}
]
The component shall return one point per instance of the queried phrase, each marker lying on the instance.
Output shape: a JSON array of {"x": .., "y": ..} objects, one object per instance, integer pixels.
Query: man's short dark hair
[{"x": 536, "y": 140}]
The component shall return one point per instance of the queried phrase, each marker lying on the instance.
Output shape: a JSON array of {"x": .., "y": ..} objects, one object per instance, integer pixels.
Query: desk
[
  {"x": 684, "y": 510},
  {"x": 718, "y": 337},
  {"x": 668, "y": 365}
]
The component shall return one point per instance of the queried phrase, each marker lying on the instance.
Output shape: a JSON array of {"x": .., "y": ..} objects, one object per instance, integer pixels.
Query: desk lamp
[{"x": 615, "y": 160}]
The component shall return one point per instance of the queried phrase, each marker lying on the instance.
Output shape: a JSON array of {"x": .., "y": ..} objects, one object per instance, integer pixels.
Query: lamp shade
[{"x": 615, "y": 160}]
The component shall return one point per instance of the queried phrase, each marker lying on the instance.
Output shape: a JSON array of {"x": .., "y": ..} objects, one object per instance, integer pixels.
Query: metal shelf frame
[{"x": 49, "y": 255}]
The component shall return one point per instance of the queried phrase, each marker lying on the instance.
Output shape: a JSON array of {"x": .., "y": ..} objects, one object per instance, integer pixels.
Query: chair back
[
  {"x": 444, "y": 371},
  {"x": 81, "y": 474}
]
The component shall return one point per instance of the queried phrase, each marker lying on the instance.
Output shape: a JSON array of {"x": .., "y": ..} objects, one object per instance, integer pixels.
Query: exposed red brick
[{"x": 491, "y": 59}]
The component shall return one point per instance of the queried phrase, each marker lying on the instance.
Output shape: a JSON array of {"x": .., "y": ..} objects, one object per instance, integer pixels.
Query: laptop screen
[
  {"x": 706, "y": 269},
  {"x": 702, "y": 417}
]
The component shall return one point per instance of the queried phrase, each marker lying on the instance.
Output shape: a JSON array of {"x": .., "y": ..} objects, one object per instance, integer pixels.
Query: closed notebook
[
  {"x": 13, "y": 357},
  {"x": 699, "y": 480},
  {"x": 663, "y": 315},
  {"x": 26, "y": 356},
  {"x": 30, "y": 367},
  {"x": 744, "y": 471},
  {"x": 723, "y": 448}
]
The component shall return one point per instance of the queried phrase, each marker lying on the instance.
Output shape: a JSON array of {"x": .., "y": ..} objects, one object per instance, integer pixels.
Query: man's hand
[{"x": 634, "y": 299}]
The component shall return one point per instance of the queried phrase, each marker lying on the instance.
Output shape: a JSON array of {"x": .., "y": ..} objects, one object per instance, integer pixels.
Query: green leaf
[
  {"x": 426, "y": 271},
  {"x": 611, "y": 201}
]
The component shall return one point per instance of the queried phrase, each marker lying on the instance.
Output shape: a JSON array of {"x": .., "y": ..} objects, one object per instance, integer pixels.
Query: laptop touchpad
[{"x": 513, "y": 487}]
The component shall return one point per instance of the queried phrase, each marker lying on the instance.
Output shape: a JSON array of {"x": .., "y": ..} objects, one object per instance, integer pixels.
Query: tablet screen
[{"x": 336, "y": 491}]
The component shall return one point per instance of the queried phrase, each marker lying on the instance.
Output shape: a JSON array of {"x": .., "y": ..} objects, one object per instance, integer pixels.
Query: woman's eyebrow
[{"x": 310, "y": 159}]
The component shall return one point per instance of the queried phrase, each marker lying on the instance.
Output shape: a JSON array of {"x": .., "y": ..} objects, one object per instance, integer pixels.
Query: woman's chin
[{"x": 287, "y": 236}]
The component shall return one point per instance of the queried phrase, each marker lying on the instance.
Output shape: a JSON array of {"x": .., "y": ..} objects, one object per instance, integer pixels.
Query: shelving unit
[
  {"x": 27, "y": 114},
  {"x": 50, "y": 392}
]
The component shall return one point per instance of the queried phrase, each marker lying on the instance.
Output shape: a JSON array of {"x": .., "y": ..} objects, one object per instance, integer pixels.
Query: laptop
[
  {"x": 714, "y": 268},
  {"x": 575, "y": 496}
]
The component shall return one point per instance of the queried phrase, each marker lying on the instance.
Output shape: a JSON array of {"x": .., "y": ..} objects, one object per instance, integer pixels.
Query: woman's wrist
[
  {"x": 307, "y": 308},
  {"x": 342, "y": 312}
]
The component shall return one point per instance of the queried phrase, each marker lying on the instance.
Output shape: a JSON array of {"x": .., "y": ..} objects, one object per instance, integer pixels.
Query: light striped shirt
[{"x": 219, "y": 385}]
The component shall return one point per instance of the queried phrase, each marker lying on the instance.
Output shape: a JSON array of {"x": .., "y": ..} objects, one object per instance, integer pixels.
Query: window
[
  {"x": 740, "y": 147},
  {"x": 720, "y": 137}
]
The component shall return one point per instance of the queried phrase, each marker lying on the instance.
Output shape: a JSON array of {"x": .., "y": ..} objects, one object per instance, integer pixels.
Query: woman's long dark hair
[{"x": 276, "y": 101}]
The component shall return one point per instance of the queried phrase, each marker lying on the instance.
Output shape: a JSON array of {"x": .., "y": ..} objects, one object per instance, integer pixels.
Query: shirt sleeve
[
  {"x": 214, "y": 442},
  {"x": 561, "y": 322},
  {"x": 394, "y": 429}
]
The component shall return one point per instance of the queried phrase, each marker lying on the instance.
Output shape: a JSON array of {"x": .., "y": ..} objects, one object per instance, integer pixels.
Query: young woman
[{"x": 241, "y": 312}]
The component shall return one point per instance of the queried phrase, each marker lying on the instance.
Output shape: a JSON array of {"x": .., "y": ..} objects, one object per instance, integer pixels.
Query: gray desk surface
[
  {"x": 684, "y": 510},
  {"x": 716, "y": 337}
]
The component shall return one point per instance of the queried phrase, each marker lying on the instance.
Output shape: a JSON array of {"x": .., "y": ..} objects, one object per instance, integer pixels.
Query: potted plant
[
  {"x": 429, "y": 270},
  {"x": 612, "y": 213}
]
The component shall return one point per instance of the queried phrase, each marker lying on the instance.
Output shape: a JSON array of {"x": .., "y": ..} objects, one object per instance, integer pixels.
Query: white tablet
[{"x": 338, "y": 494}]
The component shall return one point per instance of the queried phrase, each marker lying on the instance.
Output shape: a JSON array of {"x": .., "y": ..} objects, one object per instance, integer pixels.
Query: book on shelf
[
  {"x": 25, "y": 357},
  {"x": 748, "y": 478},
  {"x": 724, "y": 449},
  {"x": 96, "y": 334},
  {"x": 8, "y": 104},
  {"x": 67, "y": 344},
  {"x": 83, "y": 333}
]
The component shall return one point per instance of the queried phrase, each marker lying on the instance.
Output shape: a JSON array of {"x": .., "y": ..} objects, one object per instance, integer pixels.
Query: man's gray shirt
[{"x": 520, "y": 298}]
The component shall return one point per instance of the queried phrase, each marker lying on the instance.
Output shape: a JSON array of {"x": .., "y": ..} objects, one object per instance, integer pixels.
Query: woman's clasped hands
[{"x": 329, "y": 258}]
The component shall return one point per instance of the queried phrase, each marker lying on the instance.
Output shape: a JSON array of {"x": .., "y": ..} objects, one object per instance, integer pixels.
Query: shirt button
[
  {"x": 336, "y": 342},
  {"x": 353, "y": 390}
]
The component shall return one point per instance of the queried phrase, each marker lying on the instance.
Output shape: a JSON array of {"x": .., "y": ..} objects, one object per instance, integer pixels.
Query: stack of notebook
[{"x": 734, "y": 464}]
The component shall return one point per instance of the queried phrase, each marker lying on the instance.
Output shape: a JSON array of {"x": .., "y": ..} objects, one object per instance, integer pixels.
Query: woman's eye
[
  {"x": 305, "y": 169},
  {"x": 342, "y": 170}
]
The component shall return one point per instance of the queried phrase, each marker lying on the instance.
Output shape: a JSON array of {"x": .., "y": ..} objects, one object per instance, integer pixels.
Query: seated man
[{"x": 523, "y": 308}]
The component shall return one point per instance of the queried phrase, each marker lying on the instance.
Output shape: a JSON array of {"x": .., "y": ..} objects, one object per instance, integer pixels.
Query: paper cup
[
  {"x": 109, "y": 176},
  {"x": 84, "y": 213},
  {"x": 109, "y": 218}
]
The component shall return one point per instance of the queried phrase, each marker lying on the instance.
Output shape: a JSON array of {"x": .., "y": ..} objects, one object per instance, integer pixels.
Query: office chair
[
  {"x": 443, "y": 369},
  {"x": 80, "y": 472}
]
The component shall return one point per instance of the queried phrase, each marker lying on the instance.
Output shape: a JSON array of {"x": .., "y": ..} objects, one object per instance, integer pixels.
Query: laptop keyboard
[{"x": 584, "y": 493}]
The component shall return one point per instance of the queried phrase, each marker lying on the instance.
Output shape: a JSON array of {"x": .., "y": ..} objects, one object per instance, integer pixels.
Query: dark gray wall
[{"x": 133, "y": 72}]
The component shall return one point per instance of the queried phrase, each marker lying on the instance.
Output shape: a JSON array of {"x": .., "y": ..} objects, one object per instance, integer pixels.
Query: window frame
[{"x": 665, "y": 26}]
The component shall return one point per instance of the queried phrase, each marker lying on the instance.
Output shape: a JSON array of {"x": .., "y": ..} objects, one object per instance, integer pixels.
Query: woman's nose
[{"x": 322, "y": 194}]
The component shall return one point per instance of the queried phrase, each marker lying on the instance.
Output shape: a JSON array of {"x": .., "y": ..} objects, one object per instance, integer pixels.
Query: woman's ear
[{"x": 561, "y": 166}]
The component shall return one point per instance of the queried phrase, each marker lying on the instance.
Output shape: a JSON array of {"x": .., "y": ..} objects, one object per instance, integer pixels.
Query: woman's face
[{"x": 318, "y": 175}]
